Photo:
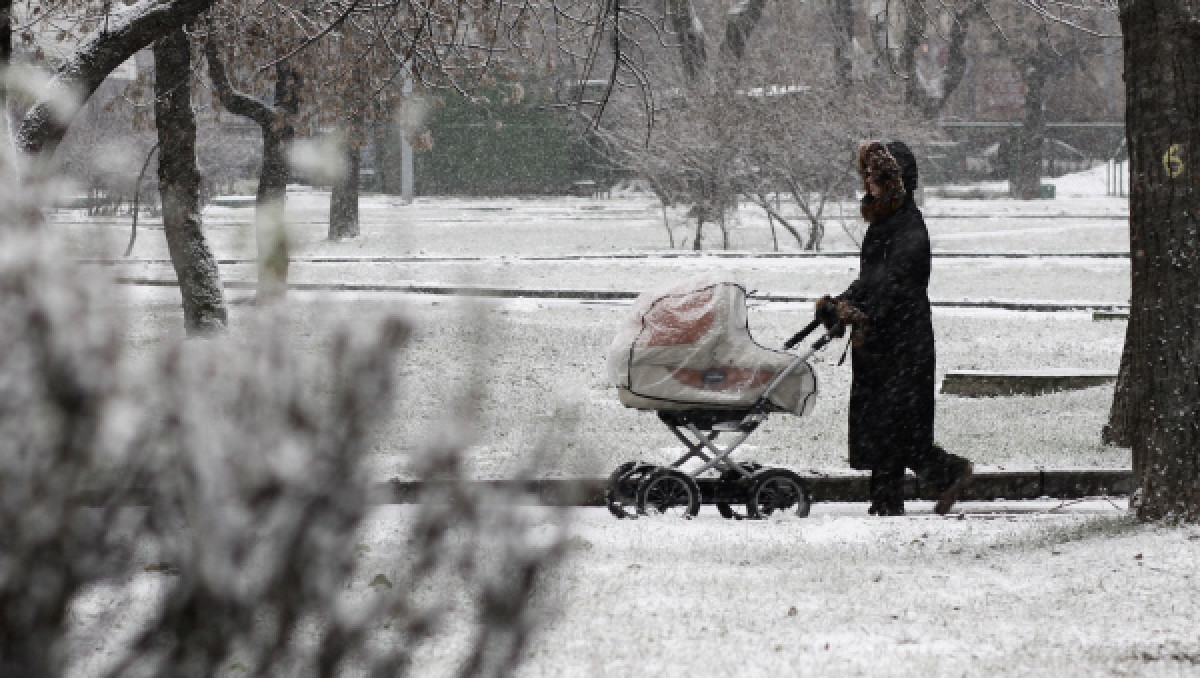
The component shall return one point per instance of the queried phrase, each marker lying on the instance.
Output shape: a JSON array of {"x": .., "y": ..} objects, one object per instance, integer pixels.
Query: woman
[{"x": 891, "y": 396}]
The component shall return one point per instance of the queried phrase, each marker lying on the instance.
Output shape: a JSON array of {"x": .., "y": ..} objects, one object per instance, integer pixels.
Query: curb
[
  {"x": 985, "y": 486},
  {"x": 613, "y": 295},
  {"x": 983, "y": 384},
  {"x": 720, "y": 254}
]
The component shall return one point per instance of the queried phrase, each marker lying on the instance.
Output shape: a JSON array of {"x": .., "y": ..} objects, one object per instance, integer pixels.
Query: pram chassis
[{"x": 638, "y": 488}]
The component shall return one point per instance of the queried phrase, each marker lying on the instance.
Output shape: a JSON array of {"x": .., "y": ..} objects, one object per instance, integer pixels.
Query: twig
[{"x": 137, "y": 186}]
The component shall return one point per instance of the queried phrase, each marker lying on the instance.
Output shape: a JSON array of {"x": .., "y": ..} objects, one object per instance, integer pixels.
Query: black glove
[{"x": 826, "y": 311}]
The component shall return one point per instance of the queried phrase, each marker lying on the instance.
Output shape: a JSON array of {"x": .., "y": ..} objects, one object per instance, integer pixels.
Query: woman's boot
[{"x": 887, "y": 492}]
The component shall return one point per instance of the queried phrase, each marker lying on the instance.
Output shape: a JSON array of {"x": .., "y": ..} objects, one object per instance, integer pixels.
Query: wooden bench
[
  {"x": 233, "y": 201},
  {"x": 985, "y": 384}
]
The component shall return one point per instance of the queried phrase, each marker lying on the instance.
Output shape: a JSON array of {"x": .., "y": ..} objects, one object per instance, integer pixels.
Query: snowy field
[
  {"x": 542, "y": 361},
  {"x": 999, "y": 589}
]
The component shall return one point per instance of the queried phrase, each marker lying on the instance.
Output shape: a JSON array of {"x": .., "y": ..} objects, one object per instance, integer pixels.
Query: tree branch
[
  {"x": 77, "y": 79},
  {"x": 236, "y": 102}
]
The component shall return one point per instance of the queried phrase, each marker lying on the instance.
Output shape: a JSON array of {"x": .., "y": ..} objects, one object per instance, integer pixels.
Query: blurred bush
[{"x": 231, "y": 473}]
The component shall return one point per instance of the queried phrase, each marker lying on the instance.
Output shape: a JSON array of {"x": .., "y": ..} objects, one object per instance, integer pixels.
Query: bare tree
[
  {"x": 1161, "y": 366},
  {"x": 1041, "y": 52},
  {"x": 179, "y": 185},
  {"x": 926, "y": 25},
  {"x": 781, "y": 120},
  {"x": 276, "y": 119},
  {"x": 1042, "y": 48}
]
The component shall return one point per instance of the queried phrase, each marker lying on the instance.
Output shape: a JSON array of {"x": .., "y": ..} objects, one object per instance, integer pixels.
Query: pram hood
[{"x": 688, "y": 346}]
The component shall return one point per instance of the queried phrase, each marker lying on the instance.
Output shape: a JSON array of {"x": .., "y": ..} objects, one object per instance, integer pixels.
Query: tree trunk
[
  {"x": 278, "y": 133},
  {"x": 956, "y": 60},
  {"x": 842, "y": 15},
  {"x": 690, "y": 33},
  {"x": 1162, "y": 81},
  {"x": 772, "y": 212},
  {"x": 5, "y": 45},
  {"x": 739, "y": 23},
  {"x": 699, "y": 234},
  {"x": 278, "y": 130},
  {"x": 667, "y": 224},
  {"x": 343, "y": 202},
  {"x": 273, "y": 176},
  {"x": 5, "y": 58},
  {"x": 914, "y": 35},
  {"x": 179, "y": 185},
  {"x": 816, "y": 234},
  {"x": 1125, "y": 412},
  {"x": 269, "y": 205},
  {"x": 1026, "y": 179}
]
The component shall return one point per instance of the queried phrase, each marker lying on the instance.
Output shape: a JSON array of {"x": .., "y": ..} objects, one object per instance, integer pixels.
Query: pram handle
[
  {"x": 837, "y": 330},
  {"x": 800, "y": 336}
]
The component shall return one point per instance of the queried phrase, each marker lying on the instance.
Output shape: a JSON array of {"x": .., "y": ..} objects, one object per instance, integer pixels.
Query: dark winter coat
[{"x": 891, "y": 397}]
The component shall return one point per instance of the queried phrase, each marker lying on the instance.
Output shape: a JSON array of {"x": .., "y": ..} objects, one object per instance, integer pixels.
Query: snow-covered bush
[{"x": 226, "y": 476}]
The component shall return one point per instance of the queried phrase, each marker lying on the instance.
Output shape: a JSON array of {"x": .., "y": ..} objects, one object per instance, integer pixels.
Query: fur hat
[{"x": 891, "y": 167}]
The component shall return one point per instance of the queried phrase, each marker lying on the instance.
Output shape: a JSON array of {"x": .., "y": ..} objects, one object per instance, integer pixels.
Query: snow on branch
[{"x": 78, "y": 77}]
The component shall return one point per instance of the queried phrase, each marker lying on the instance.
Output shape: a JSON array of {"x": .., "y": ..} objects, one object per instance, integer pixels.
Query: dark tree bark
[
  {"x": 278, "y": 131},
  {"x": 685, "y": 24},
  {"x": 179, "y": 185},
  {"x": 1162, "y": 84},
  {"x": 956, "y": 57},
  {"x": 739, "y": 23},
  {"x": 1026, "y": 163},
  {"x": 5, "y": 57},
  {"x": 343, "y": 201},
  {"x": 5, "y": 41},
  {"x": 42, "y": 129},
  {"x": 914, "y": 36},
  {"x": 1125, "y": 412},
  {"x": 956, "y": 61},
  {"x": 1035, "y": 62},
  {"x": 842, "y": 17}
]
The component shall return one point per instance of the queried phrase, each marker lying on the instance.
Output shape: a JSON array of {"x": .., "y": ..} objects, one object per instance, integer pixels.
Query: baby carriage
[{"x": 686, "y": 353}]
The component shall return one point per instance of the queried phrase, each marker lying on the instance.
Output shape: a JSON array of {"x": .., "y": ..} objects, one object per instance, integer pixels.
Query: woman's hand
[
  {"x": 854, "y": 317},
  {"x": 850, "y": 314}
]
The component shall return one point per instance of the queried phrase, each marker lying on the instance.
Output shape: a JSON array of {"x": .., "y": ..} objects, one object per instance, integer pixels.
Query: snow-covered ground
[
  {"x": 1021, "y": 589},
  {"x": 1012, "y": 589},
  {"x": 1080, "y": 592}
]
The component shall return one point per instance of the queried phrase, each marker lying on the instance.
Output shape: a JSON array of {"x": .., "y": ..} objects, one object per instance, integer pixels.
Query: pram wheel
[
  {"x": 621, "y": 490},
  {"x": 668, "y": 491},
  {"x": 732, "y": 477},
  {"x": 778, "y": 491}
]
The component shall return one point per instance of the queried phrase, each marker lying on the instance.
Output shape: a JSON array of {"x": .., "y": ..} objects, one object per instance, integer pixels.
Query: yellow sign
[{"x": 1172, "y": 162}]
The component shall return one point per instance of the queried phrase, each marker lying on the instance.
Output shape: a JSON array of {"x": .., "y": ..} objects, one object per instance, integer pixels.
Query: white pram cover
[{"x": 688, "y": 346}]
